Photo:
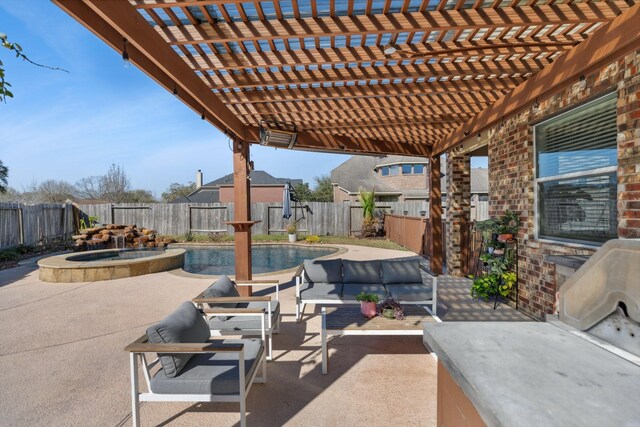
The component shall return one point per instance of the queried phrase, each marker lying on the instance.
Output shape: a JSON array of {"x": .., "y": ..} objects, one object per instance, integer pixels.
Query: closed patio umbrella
[{"x": 286, "y": 203}]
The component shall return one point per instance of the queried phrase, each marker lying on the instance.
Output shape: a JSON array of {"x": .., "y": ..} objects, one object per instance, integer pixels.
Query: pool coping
[
  {"x": 59, "y": 269},
  {"x": 181, "y": 273}
]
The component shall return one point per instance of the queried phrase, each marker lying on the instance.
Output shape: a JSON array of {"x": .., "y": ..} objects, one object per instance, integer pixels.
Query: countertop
[{"x": 537, "y": 374}]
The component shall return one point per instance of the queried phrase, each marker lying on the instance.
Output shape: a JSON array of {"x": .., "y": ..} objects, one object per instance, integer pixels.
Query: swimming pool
[{"x": 217, "y": 260}]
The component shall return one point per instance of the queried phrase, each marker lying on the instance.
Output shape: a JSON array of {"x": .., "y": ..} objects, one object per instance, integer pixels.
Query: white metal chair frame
[
  {"x": 301, "y": 304},
  {"x": 267, "y": 328},
  {"x": 137, "y": 350}
]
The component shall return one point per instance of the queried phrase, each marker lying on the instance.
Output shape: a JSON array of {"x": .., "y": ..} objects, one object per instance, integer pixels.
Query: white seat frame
[
  {"x": 302, "y": 303},
  {"x": 267, "y": 329},
  {"x": 138, "y": 349}
]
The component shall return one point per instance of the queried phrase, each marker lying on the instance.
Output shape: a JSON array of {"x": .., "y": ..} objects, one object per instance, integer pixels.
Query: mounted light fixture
[
  {"x": 536, "y": 106},
  {"x": 175, "y": 89},
  {"x": 279, "y": 135},
  {"x": 202, "y": 116},
  {"x": 125, "y": 54},
  {"x": 466, "y": 133},
  {"x": 478, "y": 136},
  {"x": 583, "y": 82},
  {"x": 390, "y": 49}
]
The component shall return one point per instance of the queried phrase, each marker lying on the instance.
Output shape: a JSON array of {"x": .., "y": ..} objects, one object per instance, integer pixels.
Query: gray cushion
[
  {"x": 406, "y": 270},
  {"x": 185, "y": 325},
  {"x": 361, "y": 271},
  {"x": 223, "y": 287},
  {"x": 323, "y": 270},
  {"x": 411, "y": 292},
  {"x": 321, "y": 291},
  {"x": 350, "y": 290},
  {"x": 245, "y": 323},
  {"x": 211, "y": 373}
]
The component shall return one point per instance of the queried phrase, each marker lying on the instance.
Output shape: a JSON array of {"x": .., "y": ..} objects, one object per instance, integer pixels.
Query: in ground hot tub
[{"x": 108, "y": 264}]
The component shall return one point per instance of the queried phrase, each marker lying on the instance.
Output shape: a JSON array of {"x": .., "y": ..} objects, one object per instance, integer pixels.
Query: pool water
[
  {"x": 117, "y": 256},
  {"x": 264, "y": 258}
]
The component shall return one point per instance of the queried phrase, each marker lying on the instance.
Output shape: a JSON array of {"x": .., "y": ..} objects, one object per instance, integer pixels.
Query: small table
[{"x": 347, "y": 320}]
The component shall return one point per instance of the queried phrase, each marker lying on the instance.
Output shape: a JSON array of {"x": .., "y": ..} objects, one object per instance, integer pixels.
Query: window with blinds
[{"x": 576, "y": 162}]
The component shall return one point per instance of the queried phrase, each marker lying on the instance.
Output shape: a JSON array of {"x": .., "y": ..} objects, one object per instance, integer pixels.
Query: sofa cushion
[
  {"x": 185, "y": 325},
  {"x": 223, "y": 287},
  {"x": 350, "y": 290},
  {"x": 367, "y": 272},
  {"x": 244, "y": 323},
  {"x": 411, "y": 292},
  {"x": 323, "y": 271},
  {"x": 212, "y": 373},
  {"x": 321, "y": 291},
  {"x": 405, "y": 270}
]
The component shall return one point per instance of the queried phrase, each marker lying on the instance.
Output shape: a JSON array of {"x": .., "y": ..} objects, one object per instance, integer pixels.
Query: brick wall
[
  {"x": 511, "y": 174},
  {"x": 458, "y": 210}
]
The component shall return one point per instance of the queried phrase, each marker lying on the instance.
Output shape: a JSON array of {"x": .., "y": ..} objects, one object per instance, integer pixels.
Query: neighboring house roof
[
  {"x": 201, "y": 195},
  {"x": 257, "y": 178},
  {"x": 360, "y": 172}
]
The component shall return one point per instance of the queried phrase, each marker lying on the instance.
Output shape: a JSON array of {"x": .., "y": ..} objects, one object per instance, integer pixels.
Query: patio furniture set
[{"x": 193, "y": 367}]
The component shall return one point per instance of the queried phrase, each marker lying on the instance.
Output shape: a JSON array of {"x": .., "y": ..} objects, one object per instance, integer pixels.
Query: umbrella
[{"x": 286, "y": 203}]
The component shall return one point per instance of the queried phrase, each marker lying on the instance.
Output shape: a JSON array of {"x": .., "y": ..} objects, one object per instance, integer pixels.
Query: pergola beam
[
  {"x": 438, "y": 20},
  {"x": 614, "y": 39}
]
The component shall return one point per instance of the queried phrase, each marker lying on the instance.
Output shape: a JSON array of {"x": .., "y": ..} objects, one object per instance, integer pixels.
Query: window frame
[
  {"x": 414, "y": 169},
  {"x": 571, "y": 175},
  {"x": 410, "y": 168}
]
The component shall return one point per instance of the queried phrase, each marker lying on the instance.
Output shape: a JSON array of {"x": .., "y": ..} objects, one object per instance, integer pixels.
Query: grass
[{"x": 266, "y": 238}]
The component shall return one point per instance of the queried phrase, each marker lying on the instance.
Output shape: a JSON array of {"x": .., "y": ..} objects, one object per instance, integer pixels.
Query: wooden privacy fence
[
  {"x": 412, "y": 233},
  {"x": 33, "y": 224},
  {"x": 340, "y": 218}
]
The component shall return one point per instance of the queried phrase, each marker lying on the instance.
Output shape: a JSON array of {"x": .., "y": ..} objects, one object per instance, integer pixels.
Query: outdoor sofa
[
  {"x": 229, "y": 313},
  {"x": 193, "y": 367},
  {"x": 338, "y": 281}
]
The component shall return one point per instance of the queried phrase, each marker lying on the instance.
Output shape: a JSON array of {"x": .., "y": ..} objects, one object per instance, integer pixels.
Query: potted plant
[
  {"x": 291, "y": 231},
  {"x": 368, "y": 304},
  {"x": 507, "y": 225}
]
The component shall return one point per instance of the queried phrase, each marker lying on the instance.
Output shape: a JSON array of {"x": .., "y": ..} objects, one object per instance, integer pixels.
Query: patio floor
[{"x": 63, "y": 364}]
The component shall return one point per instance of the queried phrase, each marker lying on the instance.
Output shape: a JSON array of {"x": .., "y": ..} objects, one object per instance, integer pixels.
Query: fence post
[{"x": 21, "y": 223}]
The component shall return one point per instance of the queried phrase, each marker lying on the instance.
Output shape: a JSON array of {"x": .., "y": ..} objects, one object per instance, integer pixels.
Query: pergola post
[
  {"x": 242, "y": 213},
  {"x": 435, "y": 215}
]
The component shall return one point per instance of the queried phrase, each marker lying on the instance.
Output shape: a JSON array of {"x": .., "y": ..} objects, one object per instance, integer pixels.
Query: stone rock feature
[{"x": 118, "y": 236}]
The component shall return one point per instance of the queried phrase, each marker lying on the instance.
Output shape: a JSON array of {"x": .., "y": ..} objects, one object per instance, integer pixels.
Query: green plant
[
  {"x": 365, "y": 297},
  {"x": 188, "y": 237},
  {"x": 93, "y": 220},
  {"x": 508, "y": 223},
  {"x": 485, "y": 287},
  {"x": 23, "y": 249},
  {"x": 391, "y": 309},
  {"x": 509, "y": 279},
  {"x": 292, "y": 228},
  {"x": 312, "y": 239},
  {"x": 368, "y": 201},
  {"x": 9, "y": 255}
]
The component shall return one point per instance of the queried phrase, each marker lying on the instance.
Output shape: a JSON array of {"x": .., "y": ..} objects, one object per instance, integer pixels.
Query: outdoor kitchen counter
[{"x": 531, "y": 374}]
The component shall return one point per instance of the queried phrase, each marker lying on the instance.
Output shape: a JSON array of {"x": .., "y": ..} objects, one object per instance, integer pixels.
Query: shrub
[
  {"x": 312, "y": 239},
  {"x": 365, "y": 297},
  {"x": 291, "y": 228},
  {"x": 370, "y": 227},
  {"x": 9, "y": 255},
  {"x": 23, "y": 249}
]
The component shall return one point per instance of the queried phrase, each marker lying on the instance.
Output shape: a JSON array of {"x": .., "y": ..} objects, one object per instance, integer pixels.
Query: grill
[{"x": 601, "y": 301}]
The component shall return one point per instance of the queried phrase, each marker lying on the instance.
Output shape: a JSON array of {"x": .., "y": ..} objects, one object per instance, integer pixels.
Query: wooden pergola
[{"x": 408, "y": 77}]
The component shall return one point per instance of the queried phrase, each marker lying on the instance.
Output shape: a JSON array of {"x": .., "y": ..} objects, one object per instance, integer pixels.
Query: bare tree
[
  {"x": 54, "y": 191},
  {"x": 89, "y": 187},
  {"x": 115, "y": 185}
]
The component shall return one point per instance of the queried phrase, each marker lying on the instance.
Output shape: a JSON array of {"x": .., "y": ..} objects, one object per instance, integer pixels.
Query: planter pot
[
  {"x": 368, "y": 309},
  {"x": 505, "y": 237},
  {"x": 293, "y": 238}
]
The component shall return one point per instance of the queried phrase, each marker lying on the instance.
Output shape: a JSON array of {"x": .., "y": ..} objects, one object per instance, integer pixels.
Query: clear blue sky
[{"x": 69, "y": 126}]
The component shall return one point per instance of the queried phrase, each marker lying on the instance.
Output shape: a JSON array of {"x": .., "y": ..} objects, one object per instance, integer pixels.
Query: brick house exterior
[{"x": 512, "y": 174}]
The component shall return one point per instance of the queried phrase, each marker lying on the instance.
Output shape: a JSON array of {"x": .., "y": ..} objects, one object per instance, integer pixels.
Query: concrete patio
[{"x": 63, "y": 360}]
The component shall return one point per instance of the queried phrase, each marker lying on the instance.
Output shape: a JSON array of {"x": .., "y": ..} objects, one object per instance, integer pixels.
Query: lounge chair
[
  {"x": 232, "y": 314},
  {"x": 194, "y": 368}
]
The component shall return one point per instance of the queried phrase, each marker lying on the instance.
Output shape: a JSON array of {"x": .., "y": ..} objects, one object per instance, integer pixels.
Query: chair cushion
[
  {"x": 366, "y": 272},
  {"x": 323, "y": 270},
  {"x": 411, "y": 292},
  {"x": 211, "y": 373},
  {"x": 321, "y": 291},
  {"x": 350, "y": 290},
  {"x": 405, "y": 270},
  {"x": 185, "y": 325},
  {"x": 246, "y": 323},
  {"x": 223, "y": 287}
]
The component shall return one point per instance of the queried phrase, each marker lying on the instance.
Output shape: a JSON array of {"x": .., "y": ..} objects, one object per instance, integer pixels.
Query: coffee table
[{"x": 347, "y": 320}]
